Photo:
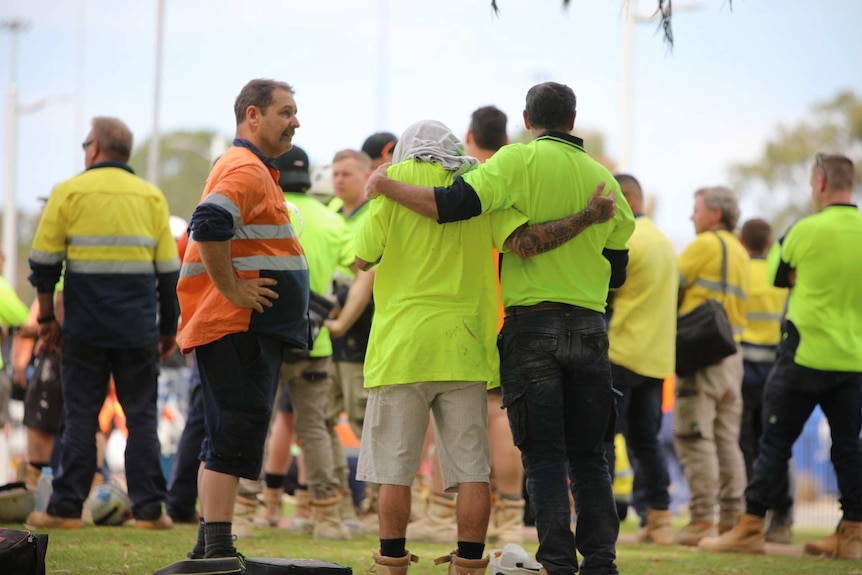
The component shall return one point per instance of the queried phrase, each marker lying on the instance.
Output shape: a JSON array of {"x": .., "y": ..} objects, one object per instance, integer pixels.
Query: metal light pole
[
  {"x": 153, "y": 155},
  {"x": 10, "y": 209}
]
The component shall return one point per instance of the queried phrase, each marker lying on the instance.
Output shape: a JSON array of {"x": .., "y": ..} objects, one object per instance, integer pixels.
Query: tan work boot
[
  {"x": 348, "y": 511},
  {"x": 658, "y": 528},
  {"x": 460, "y": 566},
  {"x": 31, "y": 477},
  {"x": 825, "y": 547},
  {"x": 300, "y": 521},
  {"x": 779, "y": 529},
  {"x": 438, "y": 524},
  {"x": 727, "y": 520},
  {"x": 271, "y": 515},
  {"x": 244, "y": 509},
  {"x": 692, "y": 533},
  {"x": 162, "y": 523},
  {"x": 326, "y": 515},
  {"x": 41, "y": 520},
  {"x": 849, "y": 540},
  {"x": 392, "y": 565},
  {"x": 746, "y": 537},
  {"x": 507, "y": 522}
]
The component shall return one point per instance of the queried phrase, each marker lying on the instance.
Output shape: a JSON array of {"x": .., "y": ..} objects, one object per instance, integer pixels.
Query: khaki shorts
[{"x": 395, "y": 424}]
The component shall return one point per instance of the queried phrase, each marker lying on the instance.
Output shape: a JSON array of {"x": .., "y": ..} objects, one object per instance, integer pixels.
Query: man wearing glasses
[
  {"x": 819, "y": 361},
  {"x": 111, "y": 229}
]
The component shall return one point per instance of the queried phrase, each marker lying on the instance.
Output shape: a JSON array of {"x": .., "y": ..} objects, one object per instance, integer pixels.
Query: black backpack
[{"x": 22, "y": 552}]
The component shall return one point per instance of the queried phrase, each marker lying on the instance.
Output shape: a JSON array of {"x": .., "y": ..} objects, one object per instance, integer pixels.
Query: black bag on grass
[
  {"x": 277, "y": 566},
  {"x": 22, "y": 552}
]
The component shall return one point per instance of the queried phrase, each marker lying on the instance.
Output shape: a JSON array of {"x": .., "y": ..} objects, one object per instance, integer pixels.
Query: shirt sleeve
[
  {"x": 692, "y": 260},
  {"x": 624, "y": 222},
  {"x": 13, "y": 311},
  {"x": 372, "y": 236},
  {"x": 501, "y": 181},
  {"x": 503, "y": 223},
  {"x": 49, "y": 244}
]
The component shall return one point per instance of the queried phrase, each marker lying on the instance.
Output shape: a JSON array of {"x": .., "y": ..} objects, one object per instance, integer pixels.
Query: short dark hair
[
  {"x": 839, "y": 171},
  {"x": 488, "y": 125},
  {"x": 550, "y": 105},
  {"x": 114, "y": 137},
  {"x": 257, "y": 93},
  {"x": 630, "y": 179},
  {"x": 756, "y": 234}
]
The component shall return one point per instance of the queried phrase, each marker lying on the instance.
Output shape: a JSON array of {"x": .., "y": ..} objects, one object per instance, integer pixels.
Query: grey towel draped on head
[{"x": 431, "y": 141}]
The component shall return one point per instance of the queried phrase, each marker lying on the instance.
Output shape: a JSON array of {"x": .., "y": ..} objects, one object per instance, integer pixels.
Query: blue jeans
[
  {"x": 639, "y": 421},
  {"x": 557, "y": 393},
  {"x": 792, "y": 391}
]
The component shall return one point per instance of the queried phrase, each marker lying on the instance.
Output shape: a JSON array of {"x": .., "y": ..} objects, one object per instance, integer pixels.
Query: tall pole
[
  {"x": 382, "y": 65},
  {"x": 10, "y": 208},
  {"x": 627, "y": 95},
  {"x": 153, "y": 156}
]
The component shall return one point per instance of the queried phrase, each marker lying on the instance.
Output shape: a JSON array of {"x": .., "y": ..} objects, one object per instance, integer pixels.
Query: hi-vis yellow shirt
[
  {"x": 700, "y": 276},
  {"x": 764, "y": 307}
]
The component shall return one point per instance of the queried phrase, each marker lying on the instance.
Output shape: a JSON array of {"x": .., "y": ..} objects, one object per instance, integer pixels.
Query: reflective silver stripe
[
  {"x": 251, "y": 263},
  {"x": 274, "y": 263},
  {"x": 168, "y": 266},
  {"x": 47, "y": 258},
  {"x": 109, "y": 267},
  {"x": 758, "y": 354},
  {"x": 224, "y": 202},
  {"x": 113, "y": 241},
  {"x": 192, "y": 269},
  {"x": 264, "y": 232},
  {"x": 716, "y": 287},
  {"x": 738, "y": 330},
  {"x": 764, "y": 316}
]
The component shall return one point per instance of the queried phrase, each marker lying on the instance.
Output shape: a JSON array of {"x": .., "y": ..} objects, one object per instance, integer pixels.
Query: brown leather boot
[
  {"x": 392, "y": 565},
  {"x": 507, "y": 522},
  {"x": 746, "y": 537},
  {"x": 849, "y": 540},
  {"x": 658, "y": 528},
  {"x": 694, "y": 531},
  {"x": 437, "y": 524},
  {"x": 244, "y": 509},
  {"x": 300, "y": 521},
  {"x": 460, "y": 566},
  {"x": 326, "y": 514},
  {"x": 272, "y": 505},
  {"x": 825, "y": 547}
]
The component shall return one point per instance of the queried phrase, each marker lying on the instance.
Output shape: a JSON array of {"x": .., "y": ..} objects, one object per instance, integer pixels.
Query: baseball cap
[
  {"x": 378, "y": 144},
  {"x": 512, "y": 560},
  {"x": 293, "y": 170}
]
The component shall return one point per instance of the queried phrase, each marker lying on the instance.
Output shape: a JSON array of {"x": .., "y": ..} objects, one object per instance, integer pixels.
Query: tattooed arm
[{"x": 528, "y": 241}]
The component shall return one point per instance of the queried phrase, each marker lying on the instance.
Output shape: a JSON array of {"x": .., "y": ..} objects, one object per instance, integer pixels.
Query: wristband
[{"x": 50, "y": 318}]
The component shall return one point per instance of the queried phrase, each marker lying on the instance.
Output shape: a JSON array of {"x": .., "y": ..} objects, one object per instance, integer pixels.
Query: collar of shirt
[
  {"x": 242, "y": 143},
  {"x": 112, "y": 164},
  {"x": 568, "y": 138}
]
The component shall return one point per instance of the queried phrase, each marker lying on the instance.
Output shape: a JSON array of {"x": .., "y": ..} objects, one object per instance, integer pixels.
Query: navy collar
[
  {"x": 567, "y": 138},
  {"x": 841, "y": 205},
  {"x": 242, "y": 143},
  {"x": 354, "y": 212},
  {"x": 112, "y": 164},
  {"x": 639, "y": 215}
]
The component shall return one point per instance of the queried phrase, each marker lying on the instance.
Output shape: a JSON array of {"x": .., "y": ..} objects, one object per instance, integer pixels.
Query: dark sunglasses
[{"x": 86, "y": 144}]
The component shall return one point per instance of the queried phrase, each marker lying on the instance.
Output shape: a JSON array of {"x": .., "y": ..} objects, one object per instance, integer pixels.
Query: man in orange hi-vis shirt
[{"x": 243, "y": 293}]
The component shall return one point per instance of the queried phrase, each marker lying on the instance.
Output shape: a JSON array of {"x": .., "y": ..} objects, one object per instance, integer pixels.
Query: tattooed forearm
[{"x": 528, "y": 241}]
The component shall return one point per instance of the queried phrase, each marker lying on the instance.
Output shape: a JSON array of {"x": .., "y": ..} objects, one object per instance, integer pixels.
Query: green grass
[{"x": 124, "y": 550}]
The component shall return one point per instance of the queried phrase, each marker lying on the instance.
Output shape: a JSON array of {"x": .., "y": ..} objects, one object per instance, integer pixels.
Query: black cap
[
  {"x": 293, "y": 170},
  {"x": 378, "y": 144}
]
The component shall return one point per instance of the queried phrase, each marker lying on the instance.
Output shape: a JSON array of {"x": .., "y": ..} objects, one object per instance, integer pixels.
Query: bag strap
[{"x": 723, "y": 267}]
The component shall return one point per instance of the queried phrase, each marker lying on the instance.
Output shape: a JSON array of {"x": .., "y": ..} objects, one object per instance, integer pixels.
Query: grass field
[{"x": 124, "y": 550}]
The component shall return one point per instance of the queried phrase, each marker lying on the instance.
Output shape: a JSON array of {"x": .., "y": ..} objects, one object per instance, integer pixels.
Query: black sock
[
  {"x": 393, "y": 547},
  {"x": 470, "y": 550},
  {"x": 39, "y": 464},
  {"x": 274, "y": 480},
  {"x": 200, "y": 548},
  {"x": 219, "y": 539}
]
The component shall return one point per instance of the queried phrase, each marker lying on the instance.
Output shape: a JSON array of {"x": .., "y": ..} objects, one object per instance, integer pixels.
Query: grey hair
[{"x": 721, "y": 198}]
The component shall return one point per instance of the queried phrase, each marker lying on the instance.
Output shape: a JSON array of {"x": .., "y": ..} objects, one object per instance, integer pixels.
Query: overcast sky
[{"x": 361, "y": 66}]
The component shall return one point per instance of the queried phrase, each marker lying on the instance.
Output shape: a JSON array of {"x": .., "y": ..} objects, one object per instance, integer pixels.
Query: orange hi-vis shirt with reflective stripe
[{"x": 263, "y": 245}]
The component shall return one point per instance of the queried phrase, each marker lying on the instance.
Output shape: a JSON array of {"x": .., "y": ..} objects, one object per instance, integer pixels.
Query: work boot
[
  {"x": 244, "y": 509},
  {"x": 507, "y": 522},
  {"x": 692, "y": 533},
  {"x": 438, "y": 524},
  {"x": 161, "y": 523},
  {"x": 348, "y": 511},
  {"x": 825, "y": 547},
  {"x": 746, "y": 537},
  {"x": 271, "y": 507},
  {"x": 326, "y": 515},
  {"x": 727, "y": 520},
  {"x": 392, "y": 565},
  {"x": 849, "y": 540},
  {"x": 460, "y": 566},
  {"x": 300, "y": 521},
  {"x": 779, "y": 529},
  {"x": 658, "y": 528},
  {"x": 41, "y": 520},
  {"x": 31, "y": 477}
]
